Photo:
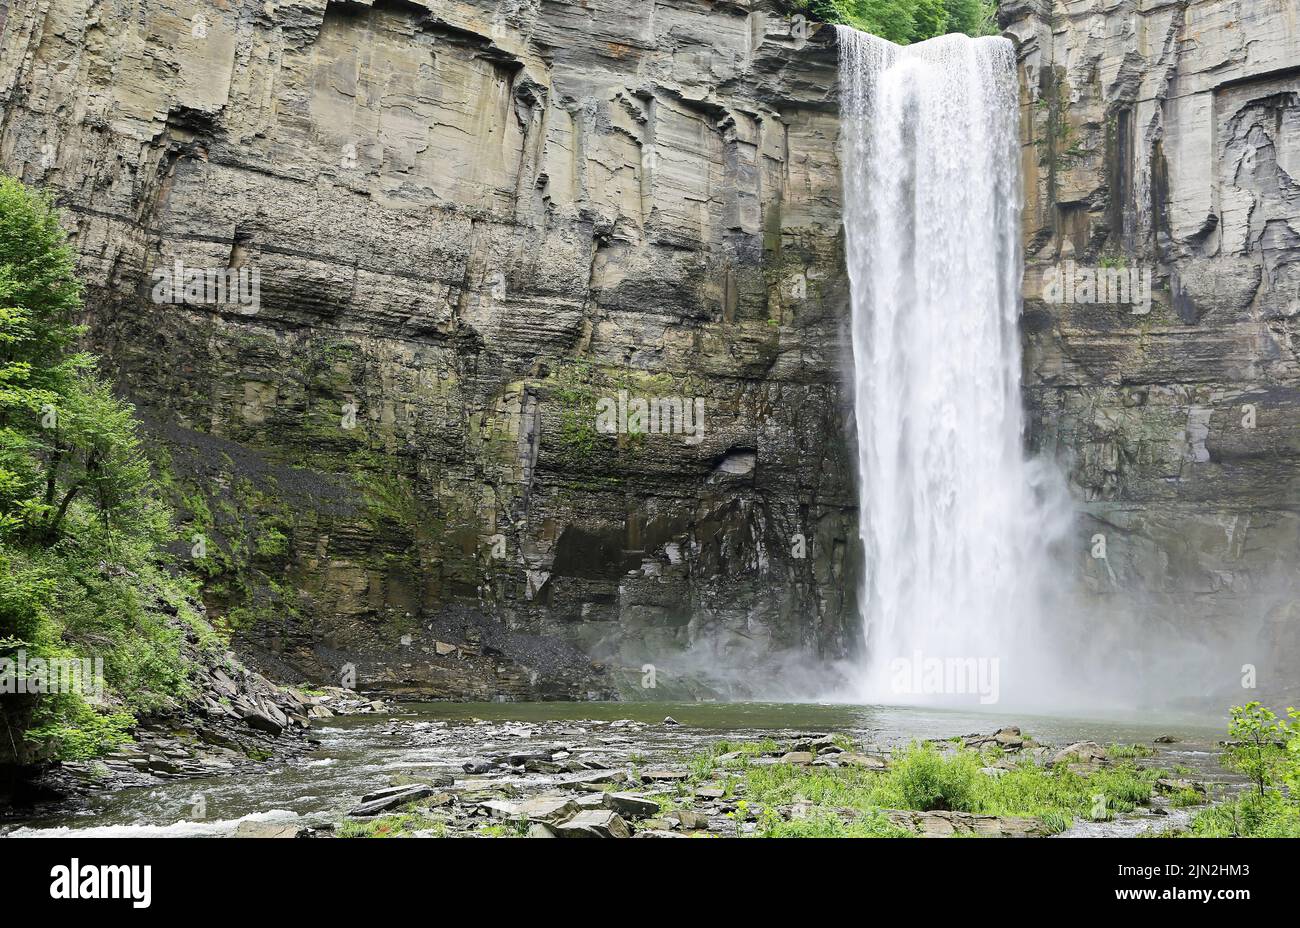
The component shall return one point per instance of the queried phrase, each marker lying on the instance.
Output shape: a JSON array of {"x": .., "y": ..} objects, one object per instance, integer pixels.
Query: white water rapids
[{"x": 955, "y": 521}]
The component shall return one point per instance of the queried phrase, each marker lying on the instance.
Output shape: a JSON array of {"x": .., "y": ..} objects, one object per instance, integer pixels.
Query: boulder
[
  {"x": 686, "y": 820},
  {"x": 260, "y": 719},
  {"x": 630, "y": 805},
  {"x": 390, "y": 798},
  {"x": 1081, "y": 752},
  {"x": 816, "y": 743},
  {"x": 800, "y": 758},
  {"x": 548, "y": 809},
  {"x": 1008, "y": 739},
  {"x": 601, "y": 823},
  {"x": 500, "y": 808}
]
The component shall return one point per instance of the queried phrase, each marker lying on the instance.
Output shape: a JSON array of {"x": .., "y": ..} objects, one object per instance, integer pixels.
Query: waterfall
[{"x": 954, "y": 520}]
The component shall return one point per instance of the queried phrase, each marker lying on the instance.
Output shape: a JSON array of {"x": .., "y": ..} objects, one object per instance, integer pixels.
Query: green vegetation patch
[
  {"x": 1266, "y": 750},
  {"x": 851, "y": 801},
  {"x": 83, "y": 522},
  {"x": 907, "y": 21}
]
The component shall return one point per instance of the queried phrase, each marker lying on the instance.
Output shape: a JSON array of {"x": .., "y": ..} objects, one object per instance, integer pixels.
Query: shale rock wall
[
  {"x": 1164, "y": 138},
  {"x": 470, "y": 221}
]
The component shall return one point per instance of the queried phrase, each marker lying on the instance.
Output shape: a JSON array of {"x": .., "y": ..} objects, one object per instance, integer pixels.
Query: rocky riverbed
[{"x": 619, "y": 770}]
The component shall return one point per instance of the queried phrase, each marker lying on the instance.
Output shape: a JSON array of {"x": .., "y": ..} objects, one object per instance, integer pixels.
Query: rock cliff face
[
  {"x": 1164, "y": 138},
  {"x": 470, "y": 222}
]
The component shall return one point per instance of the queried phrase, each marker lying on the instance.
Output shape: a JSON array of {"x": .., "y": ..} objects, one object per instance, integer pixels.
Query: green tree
[
  {"x": 1259, "y": 745},
  {"x": 973, "y": 17},
  {"x": 64, "y": 438},
  {"x": 929, "y": 18},
  {"x": 82, "y": 522},
  {"x": 906, "y": 21}
]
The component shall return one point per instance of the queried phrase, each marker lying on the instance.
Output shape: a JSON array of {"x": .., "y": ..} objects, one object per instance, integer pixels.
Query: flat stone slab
[
  {"x": 630, "y": 805},
  {"x": 594, "y": 824},
  {"x": 547, "y": 808},
  {"x": 269, "y": 830},
  {"x": 946, "y": 824},
  {"x": 390, "y": 798}
]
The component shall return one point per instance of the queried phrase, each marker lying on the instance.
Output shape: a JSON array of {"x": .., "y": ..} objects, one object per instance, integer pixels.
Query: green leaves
[
  {"x": 1266, "y": 749},
  {"x": 907, "y": 21},
  {"x": 82, "y": 523},
  {"x": 69, "y": 454}
]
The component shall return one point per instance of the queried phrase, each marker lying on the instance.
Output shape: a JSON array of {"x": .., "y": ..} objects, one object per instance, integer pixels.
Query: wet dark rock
[
  {"x": 390, "y": 798},
  {"x": 1009, "y": 739},
  {"x": 258, "y": 718}
]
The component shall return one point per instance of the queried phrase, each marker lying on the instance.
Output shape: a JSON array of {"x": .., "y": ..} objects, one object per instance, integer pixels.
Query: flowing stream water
[
  {"x": 954, "y": 519},
  {"x": 360, "y": 753}
]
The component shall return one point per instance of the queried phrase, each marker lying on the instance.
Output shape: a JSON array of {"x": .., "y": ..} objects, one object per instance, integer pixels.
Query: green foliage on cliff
[
  {"x": 82, "y": 524},
  {"x": 906, "y": 21}
]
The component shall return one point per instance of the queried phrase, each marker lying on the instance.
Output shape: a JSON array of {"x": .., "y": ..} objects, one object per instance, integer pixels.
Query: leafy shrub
[
  {"x": 1266, "y": 750},
  {"x": 922, "y": 779},
  {"x": 82, "y": 522}
]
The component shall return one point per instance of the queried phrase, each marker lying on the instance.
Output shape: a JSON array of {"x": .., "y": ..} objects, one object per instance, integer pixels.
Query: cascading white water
[{"x": 952, "y": 521}]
